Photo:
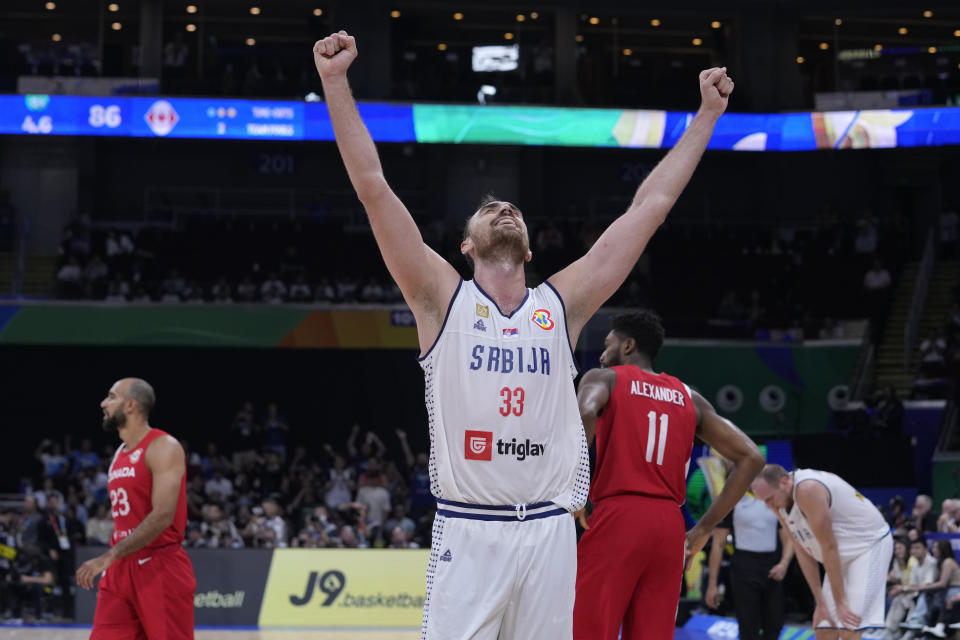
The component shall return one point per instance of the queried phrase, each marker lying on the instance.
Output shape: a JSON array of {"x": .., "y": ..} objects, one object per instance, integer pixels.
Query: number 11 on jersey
[{"x": 652, "y": 441}]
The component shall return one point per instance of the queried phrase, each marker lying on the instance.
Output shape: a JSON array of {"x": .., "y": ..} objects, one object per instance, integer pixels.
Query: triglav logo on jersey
[
  {"x": 135, "y": 456},
  {"x": 541, "y": 318},
  {"x": 161, "y": 117},
  {"x": 483, "y": 310},
  {"x": 478, "y": 445}
]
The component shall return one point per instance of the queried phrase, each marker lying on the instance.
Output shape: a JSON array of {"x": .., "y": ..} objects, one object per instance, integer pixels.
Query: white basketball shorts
[
  {"x": 493, "y": 575},
  {"x": 865, "y": 585}
]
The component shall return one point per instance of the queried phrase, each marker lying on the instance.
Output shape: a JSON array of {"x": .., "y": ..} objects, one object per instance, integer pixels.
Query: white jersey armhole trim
[
  {"x": 446, "y": 317},
  {"x": 829, "y": 493},
  {"x": 566, "y": 329}
]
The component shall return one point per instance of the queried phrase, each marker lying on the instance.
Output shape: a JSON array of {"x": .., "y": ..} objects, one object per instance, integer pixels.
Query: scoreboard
[{"x": 190, "y": 118}]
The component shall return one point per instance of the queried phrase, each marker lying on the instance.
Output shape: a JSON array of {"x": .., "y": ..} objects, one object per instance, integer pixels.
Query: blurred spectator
[
  {"x": 340, "y": 484},
  {"x": 889, "y": 412},
  {"x": 68, "y": 279},
  {"x": 218, "y": 487},
  {"x": 372, "y": 447},
  {"x": 933, "y": 355},
  {"x": 922, "y": 570},
  {"x": 399, "y": 520},
  {"x": 273, "y": 290},
  {"x": 867, "y": 234},
  {"x": 273, "y": 521},
  {"x": 51, "y": 456},
  {"x": 373, "y": 494},
  {"x": 193, "y": 537},
  {"x": 923, "y": 518},
  {"x": 399, "y": 540},
  {"x": 33, "y": 577},
  {"x": 877, "y": 279},
  {"x": 246, "y": 290},
  {"x": 218, "y": 530},
  {"x": 325, "y": 291},
  {"x": 100, "y": 526},
  {"x": 896, "y": 512},
  {"x": 175, "y": 55},
  {"x": 418, "y": 472},
  {"x": 300, "y": 290},
  {"x": 275, "y": 431},
  {"x": 244, "y": 435},
  {"x": 949, "y": 516},
  {"x": 27, "y": 532}
]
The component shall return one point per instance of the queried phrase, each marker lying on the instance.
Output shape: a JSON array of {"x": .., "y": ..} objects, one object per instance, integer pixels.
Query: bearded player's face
[
  {"x": 113, "y": 415},
  {"x": 611, "y": 356}
]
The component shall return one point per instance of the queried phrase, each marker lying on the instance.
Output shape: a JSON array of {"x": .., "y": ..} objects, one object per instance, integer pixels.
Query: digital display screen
[
  {"x": 208, "y": 118},
  {"x": 496, "y": 58}
]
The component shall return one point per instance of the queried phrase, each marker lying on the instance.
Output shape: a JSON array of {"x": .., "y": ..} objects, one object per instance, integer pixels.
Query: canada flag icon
[{"x": 161, "y": 117}]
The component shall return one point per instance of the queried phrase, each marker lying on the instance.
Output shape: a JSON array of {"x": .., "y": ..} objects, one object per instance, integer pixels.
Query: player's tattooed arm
[
  {"x": 167, "y": 464},
  {"x": 592, "y": 396}
]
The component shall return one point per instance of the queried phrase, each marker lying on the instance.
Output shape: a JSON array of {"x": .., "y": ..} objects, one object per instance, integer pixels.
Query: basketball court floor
[{"x": 83, "y": 633}]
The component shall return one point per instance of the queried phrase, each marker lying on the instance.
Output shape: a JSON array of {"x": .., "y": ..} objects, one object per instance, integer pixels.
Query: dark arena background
[{"x": 173, "y": 207}]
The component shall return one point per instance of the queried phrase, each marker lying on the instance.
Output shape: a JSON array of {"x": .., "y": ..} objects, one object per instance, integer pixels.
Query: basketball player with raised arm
[
  {"x": 833, "y": 524},
  {"x": 508, "y": 456},
  {"x": 630, "y": 559},
  {"x": 147, "y": 587}
]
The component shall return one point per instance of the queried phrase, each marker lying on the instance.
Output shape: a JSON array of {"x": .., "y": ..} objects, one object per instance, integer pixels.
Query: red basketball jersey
[
  {"x": 131, "y": 486},
  {"x": 644, "y": 437}
]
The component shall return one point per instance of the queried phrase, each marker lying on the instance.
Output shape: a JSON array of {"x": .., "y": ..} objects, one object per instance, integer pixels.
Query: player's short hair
[
  {"x": 644, "y": 327},
  {"x": 140, "y": 391},
  {"x": 772, "y": 473},
  {"x": 484, "y": 201}
]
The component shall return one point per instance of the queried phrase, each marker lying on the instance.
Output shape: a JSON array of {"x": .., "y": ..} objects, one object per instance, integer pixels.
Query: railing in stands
[
  {"x": 865, "y": 369},
  {"x": 912, "y": 325}
]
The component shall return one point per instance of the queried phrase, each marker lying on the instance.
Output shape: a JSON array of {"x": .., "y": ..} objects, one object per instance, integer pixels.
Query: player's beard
[
  {"x": 115, "y": 420},
  {"x": 503, "y": 243}
]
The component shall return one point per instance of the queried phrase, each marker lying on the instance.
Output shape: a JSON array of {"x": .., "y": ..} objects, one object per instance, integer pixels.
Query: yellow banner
[{"x": 345, "y": 588}]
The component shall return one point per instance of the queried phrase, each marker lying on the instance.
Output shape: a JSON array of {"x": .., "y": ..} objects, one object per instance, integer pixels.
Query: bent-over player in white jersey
[
  {"x": 835, "y": 525},
  {"x": 508, "y": 456}
]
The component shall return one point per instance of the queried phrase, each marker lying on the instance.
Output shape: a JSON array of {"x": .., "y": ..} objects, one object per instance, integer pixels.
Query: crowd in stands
[
  {"x": 372, "y": 491},
  {"x": 802, "y": 279},
  {"x": 923, "y": 583}
]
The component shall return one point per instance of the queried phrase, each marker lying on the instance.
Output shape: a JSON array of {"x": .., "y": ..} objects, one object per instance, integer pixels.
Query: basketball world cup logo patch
[
  {"x": 135, "y": 456},
  {"x": 478, "y": 445},
  {"x": 541, "y": 318}
]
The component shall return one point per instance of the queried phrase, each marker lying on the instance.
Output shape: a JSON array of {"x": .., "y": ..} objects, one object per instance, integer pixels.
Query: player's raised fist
[
  {"x": 715, "y": 88},
  {"x": 333, "y": 54}
]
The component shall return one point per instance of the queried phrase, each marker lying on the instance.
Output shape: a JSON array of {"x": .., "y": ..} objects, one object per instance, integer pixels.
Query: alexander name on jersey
[{"x": 654, "y": 392}]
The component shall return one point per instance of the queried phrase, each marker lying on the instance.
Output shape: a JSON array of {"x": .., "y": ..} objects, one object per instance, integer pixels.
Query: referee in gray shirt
[{"x": 756, "y": 569}]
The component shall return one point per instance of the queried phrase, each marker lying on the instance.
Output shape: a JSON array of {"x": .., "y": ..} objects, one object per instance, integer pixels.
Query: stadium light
[{"x": 486, "y": 90}]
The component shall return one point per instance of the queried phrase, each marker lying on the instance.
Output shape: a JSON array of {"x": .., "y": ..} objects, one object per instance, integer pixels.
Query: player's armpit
[{"x": 592, "y": 396}]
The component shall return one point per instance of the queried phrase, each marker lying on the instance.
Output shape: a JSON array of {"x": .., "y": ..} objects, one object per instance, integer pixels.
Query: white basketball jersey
[
  {"x": 857, "y": 524},
  {"x": 505, "y": 427}
]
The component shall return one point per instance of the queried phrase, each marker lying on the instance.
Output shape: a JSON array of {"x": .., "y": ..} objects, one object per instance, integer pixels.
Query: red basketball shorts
[
  {"x": 629, "y": 568},
  {"x": 147, "y": 595}
]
